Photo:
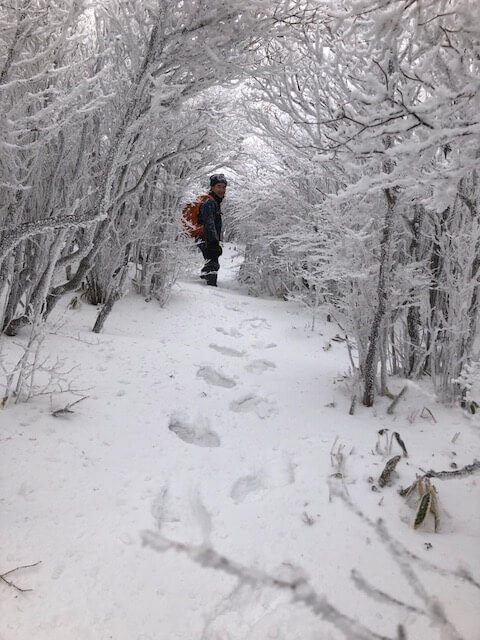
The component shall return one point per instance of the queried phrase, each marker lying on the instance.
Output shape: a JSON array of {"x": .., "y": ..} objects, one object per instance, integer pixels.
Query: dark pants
[{"x": 210, "y": 268}]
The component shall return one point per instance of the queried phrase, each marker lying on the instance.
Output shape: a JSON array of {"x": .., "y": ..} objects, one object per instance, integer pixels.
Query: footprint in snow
[
  {"x": 275, "y": 473},
  {"x": 247, "y": 486},
  {"x": 256, "y": 323},
  {"x": 194, "y": 435},
  {"x": 280, "y": 470},
  {"x": 234, "y": 333},
  {"x": 262, "y": 345},
  {"x": 180, "y": 513},
  {"x": 227, "y": 351},
  {"x": 261, "y": 406},
  {"x": 259, "y": 366},
  {"x": 213, "y": 377},
  {"x": 58, "y": 570}
]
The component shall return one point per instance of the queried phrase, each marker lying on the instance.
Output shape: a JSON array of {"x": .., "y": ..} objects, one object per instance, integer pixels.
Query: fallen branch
[
  {"x": 466, "y": 471},
  {"x": 12, "y": 584},
  {"x": 397, "y": 399},
  {"x": 67, "y": 408},
  {"x": 352, "y": 406}
]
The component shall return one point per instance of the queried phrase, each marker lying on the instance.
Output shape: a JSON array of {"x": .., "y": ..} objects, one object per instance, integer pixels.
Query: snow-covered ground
[{"x": 222, "y": 419}]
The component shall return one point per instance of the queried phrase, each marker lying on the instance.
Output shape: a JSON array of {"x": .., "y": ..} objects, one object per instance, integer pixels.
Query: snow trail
[{"x": 213, "y": 419}]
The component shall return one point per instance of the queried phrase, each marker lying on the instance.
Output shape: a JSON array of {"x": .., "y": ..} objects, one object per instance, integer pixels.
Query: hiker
[{"x": 210, "y": 216}]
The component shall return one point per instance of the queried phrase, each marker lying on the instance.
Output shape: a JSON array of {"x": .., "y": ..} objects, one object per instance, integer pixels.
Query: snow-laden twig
[
  {"x": 402, "y": 556},
  {"x": 298, "y": 585},
  {"x": 376, "y": 594}
]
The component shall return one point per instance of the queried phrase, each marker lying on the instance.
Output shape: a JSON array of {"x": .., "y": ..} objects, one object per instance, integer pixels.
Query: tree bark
[
  {"x": 115, "y": 293},
  {"x": 370, "y": 367},
  {"x": 413, "y": 313},
  {"x": 435, "y": 299}
]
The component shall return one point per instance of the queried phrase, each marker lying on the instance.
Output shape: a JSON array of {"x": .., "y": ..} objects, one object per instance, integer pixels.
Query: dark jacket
[{"x": 210, "y": 216}]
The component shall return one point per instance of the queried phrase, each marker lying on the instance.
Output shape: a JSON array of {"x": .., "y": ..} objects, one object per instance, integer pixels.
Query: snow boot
[{"x": 211, "y": 279}]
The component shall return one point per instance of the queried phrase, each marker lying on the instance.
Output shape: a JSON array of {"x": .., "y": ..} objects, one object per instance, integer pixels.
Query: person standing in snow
[{"x": 210, "y": 215}]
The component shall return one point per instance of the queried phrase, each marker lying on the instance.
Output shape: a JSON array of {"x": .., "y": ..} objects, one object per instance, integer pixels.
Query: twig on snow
[
  {"x": 396, "y": 400},
  {"x": 12, "y": 584},
  {"x": 67, "y": 408},
  {"x": 466, "y": 471}
]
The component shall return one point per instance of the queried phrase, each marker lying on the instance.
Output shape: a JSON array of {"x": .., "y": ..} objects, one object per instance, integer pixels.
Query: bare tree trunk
[
  {"x": 115, "y": 293},
  {"x": 413, "y": 330},
  {"x": 435, "y": 298},
  {"x": 383, "y": 353},
  {"x": 413, "y": 313},
  {"x": 370, "y": 367},
  {"x": 17, "y": 284},
  {"x": 394, "y": 352}
]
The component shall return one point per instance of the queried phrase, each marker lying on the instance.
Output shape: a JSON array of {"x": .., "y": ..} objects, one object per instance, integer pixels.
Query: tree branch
[
  {"x": 298, "y": 585},
  {"x": 27, "y": 229},
  {"x": 467, "y": 470},
  {"x": 12, "y": 584}
]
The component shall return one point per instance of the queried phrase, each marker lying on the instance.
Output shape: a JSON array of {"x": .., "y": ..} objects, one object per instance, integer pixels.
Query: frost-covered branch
[
  {"x": 403, "y": 558},
  {"x": 10, "y": 239},
  {"x": 298, "y": 586}
]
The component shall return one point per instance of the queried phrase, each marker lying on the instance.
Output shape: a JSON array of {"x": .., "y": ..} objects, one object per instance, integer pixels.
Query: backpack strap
[{"x": 204, "y": 196}]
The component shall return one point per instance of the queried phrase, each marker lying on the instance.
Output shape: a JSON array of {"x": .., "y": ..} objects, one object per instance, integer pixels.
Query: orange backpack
[{"x": 190, "y": 216}]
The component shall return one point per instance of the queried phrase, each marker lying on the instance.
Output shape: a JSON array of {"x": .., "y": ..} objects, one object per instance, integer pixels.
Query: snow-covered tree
[
  {"x": 378, "y": 107},
  {"x": 114, "y": 86}
]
